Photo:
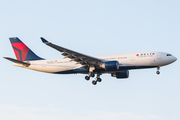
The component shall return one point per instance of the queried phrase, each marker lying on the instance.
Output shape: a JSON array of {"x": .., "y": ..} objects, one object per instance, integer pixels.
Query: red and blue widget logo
[{"x": 20, "y": 50}]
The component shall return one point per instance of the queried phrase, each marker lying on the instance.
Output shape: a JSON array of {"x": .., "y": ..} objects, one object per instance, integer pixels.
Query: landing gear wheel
[
  {"x": 94, "y": 82},
  {"x": 87, "y": 77},
  {"x": 158, "y": 72},
  {"x": 99, "y": 79}
]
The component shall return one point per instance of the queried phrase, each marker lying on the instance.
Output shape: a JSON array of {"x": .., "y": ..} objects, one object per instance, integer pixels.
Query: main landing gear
[
  {"x": 87, "y": 77},
  {"x": 94, "y": 82},
  {"x": 158, "y": 72},
  {"x": 91, "y": 74}
]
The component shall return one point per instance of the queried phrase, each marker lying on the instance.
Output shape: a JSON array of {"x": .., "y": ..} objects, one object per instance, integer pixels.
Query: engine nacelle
[
  {"x": 110, "y": 65},
  {"x": 122, "y": 74}
]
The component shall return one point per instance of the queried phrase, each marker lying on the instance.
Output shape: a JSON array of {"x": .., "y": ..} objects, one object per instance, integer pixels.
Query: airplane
[{"x": 74, "y": 62}]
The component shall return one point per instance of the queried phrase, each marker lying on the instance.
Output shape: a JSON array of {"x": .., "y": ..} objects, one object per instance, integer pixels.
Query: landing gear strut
[
  {"x": 158, "y": 72},
  {"x": 91, "y": 74}
]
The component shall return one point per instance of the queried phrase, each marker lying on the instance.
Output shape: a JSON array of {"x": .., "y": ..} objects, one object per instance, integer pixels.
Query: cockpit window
[{"x": 169, "y": 55}]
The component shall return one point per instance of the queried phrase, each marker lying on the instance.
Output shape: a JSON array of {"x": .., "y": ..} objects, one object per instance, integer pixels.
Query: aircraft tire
[
  {"x": 87, "y": 77},
  {"x": 99, "y": 79},
  {"x": 158, "y": 72},
  {"x": 94, "y": 82}
]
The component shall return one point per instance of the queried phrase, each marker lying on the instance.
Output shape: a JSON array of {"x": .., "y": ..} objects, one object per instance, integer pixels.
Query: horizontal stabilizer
[{"x": 17, "y": 61}]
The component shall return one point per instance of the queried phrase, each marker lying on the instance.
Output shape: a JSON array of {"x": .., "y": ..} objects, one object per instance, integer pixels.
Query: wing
[{"x": 80, "y": 58}]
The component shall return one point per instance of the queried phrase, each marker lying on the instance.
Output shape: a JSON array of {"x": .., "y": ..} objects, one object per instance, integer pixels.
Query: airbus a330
[{"x": 74, "y": 62}]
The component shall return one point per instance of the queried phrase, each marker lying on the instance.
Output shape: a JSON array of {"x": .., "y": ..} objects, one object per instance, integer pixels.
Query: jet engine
[
  {"x": 122, "y": 74},
  {"x": 110, "y": 65}
]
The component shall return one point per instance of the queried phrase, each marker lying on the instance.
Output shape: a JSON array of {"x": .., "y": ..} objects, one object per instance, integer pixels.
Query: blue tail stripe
[
  {"x": 31, "y": 56},
  {"x": 15, "y": 40}
]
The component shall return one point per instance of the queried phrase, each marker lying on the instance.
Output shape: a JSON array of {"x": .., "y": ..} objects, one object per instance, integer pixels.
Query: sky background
[{"x": 94, "y": 27}]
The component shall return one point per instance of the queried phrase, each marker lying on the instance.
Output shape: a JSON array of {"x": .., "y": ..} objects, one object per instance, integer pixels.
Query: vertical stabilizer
[{"x": 22, "y": 52}]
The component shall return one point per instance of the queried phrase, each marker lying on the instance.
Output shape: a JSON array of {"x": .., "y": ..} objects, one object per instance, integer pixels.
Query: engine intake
[
  {"x": 110, "y": 65},
  {"x": 122, "y": 74}
]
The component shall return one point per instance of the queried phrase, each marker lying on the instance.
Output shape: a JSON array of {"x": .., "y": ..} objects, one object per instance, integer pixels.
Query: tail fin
[{"x": 22, "y": 52}]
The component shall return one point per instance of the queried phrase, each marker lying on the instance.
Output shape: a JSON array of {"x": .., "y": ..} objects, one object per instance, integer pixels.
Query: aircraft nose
[{"x": 174, "y": 59}]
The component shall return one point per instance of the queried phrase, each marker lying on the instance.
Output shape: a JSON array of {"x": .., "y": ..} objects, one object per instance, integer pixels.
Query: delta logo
[{"x": 145, "y": 54}]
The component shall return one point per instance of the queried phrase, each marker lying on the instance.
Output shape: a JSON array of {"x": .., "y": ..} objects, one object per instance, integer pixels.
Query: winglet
[{"x": 44, "y": 40}]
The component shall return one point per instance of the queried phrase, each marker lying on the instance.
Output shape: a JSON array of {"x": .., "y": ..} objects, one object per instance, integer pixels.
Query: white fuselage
[{"x": 145, "y": 59}]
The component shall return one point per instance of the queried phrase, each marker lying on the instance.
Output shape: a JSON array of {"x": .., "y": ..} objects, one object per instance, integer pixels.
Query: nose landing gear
[{"x": 158, "y": 72}]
